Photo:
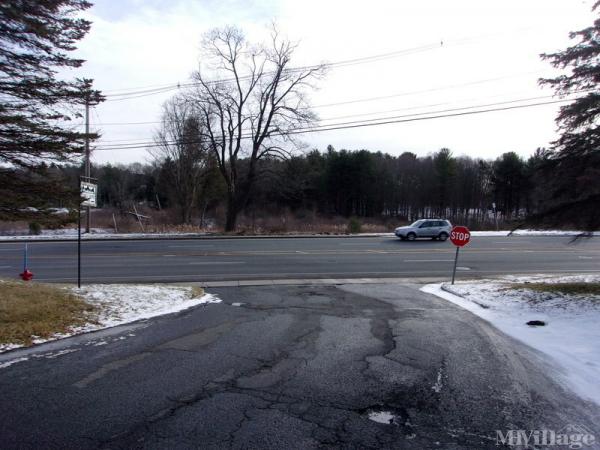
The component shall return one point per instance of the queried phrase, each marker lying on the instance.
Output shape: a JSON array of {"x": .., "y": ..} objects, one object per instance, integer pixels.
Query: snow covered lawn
[
  {"x": 119, "y": 304},
  {"x": 571, "y": 334}
]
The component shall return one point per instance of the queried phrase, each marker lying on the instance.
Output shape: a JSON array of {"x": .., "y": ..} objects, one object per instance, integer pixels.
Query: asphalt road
[
  {"x": 342, "y": 257},
  {"x": 292, "y": 367}
]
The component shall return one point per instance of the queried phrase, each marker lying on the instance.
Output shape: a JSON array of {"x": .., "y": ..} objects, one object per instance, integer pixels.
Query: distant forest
[{"x": 349, "y": 184}]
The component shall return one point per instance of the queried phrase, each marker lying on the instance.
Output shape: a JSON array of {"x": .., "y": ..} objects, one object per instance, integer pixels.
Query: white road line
[
  {"x": 214, "y": 263},
  {"x": 195, "y": 247},
  {"x": 166, "y": 256},
  {"x": 585, "y": 257},
  {"x": 428, "y": 260},
  {"x": 5, "y": 267}
]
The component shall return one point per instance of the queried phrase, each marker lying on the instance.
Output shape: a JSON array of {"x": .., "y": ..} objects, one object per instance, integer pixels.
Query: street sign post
[
  {"x": 89, "y": 192},
  {"x": 459, "y": 236}
]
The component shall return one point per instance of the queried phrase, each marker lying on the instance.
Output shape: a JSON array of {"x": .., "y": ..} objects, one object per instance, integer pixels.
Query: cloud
[{"x": 135, "y": 43}]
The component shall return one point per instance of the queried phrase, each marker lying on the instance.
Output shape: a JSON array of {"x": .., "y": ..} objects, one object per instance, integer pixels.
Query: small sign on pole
[
  {"x": 459, "y": 236},
  {"x": 89, "y": 192}
]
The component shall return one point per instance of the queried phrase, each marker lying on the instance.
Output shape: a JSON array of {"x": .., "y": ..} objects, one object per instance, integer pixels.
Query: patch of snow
[
  {"x": 12, "y": 361},
  {"x": 236, "y": 304},
  {"x": 52, "y": 355},
  {"x": 61, "y": 352},
  {"x": 72, "y": 232},
  {"x": 124, "y": 303},
  {"x": 530, "y": 233},
  {"x": 95, "y": 233},
  {"x": 571, "y": 334},
  {"x": 59, "y": 211},
  {"x": 7, "y": 347},
  {"x": 438, "y": 385}
]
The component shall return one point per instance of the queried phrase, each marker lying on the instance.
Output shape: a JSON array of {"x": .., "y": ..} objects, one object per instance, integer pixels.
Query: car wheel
[
  {"x": 411, "y": 236},
  {"x": 443, "y": 236}
]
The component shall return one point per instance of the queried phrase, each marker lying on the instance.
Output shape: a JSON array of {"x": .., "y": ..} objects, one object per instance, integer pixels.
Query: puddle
[{"x": 385, "y": 417}]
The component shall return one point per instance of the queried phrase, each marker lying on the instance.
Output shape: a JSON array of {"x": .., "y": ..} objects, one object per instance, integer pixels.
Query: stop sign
[{"x": 460, "y": 236}]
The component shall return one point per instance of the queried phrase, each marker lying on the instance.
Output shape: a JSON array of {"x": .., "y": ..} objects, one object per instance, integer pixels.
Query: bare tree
[
  {"x": 184, "y": 158},
  {"x": 255, "y": 109}
]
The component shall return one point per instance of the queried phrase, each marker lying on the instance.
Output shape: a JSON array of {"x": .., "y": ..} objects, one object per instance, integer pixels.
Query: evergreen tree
[
  {"x": 573, "y": 170},
  {"x": 36, "y": 106}
]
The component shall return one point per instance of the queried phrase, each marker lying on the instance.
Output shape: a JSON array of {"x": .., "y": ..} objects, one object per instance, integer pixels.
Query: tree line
[{"x": 345, "y": 183}]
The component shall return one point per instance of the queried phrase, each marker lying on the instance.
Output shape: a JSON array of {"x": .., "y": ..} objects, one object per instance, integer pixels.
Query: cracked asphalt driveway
[{"x": 287, "y": 367}]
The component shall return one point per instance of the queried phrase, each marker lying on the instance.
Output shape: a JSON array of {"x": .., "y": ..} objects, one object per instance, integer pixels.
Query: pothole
[{"x": 536, "y": 323}]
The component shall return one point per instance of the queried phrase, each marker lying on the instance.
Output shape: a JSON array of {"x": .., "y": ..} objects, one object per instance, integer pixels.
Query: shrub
[
  {"x": 354, "y": 226},
  {"x": 35, "y": 228}
]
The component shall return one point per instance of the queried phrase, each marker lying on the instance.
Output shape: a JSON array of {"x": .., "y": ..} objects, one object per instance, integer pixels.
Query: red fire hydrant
[{"x": 27, "y": 274}]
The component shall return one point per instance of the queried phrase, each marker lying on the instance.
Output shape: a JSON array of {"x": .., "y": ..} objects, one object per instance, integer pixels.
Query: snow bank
[
  {"x": 530, "y": 233},
  {"x": 571, "y": 335},
  {"x": 100, "y": 233},
  {"x": 97, "y": 233},
  {"x": 121, "y": 304}
]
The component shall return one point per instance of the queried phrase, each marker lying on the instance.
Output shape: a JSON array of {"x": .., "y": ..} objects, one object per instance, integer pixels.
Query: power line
[
  {"x": 160, "y": 88},
  {"x": 519, "y": 100},
  {"x": 133, "y": 94},
  {"x": 370, "y": 99},
  {"x": 423, "y": 91},
  {"x": 360, "y": 124}
]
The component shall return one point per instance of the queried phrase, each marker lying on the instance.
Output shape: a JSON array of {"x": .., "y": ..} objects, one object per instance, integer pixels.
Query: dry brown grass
[
  {"x": 562, "y": 288},
  {"x": 309, "y": 222},
  {"x": 197, "y": 291},
  {"x": 35, "y": 309}
]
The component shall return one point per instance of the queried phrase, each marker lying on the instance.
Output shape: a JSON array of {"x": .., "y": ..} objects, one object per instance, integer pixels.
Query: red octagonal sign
[{"x": 460, "y": 236}]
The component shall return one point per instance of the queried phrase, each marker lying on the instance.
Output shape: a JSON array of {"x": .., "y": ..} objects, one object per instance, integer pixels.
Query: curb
[{"x": 312, "y": 282}]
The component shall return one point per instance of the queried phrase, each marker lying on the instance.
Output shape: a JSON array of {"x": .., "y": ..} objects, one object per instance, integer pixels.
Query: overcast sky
[{"x": 490, "y": 54}]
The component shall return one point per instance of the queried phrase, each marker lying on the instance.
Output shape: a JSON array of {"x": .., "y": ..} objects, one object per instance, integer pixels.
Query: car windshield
[{"x": 417, "y": 223}]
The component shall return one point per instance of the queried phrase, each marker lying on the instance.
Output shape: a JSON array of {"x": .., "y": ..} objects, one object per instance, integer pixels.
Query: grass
[
  {"x": 562, "y": 288},
  {"x": 197, "y": 291},
  {"x": 35, "y": 309}
]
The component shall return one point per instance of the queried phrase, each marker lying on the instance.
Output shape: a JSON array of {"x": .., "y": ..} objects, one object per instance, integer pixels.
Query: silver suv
[{"x": 425, "y": 228}]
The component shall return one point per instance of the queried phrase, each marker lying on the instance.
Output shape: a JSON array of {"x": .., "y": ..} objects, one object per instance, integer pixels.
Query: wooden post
[{"x": 138, "y": 218}]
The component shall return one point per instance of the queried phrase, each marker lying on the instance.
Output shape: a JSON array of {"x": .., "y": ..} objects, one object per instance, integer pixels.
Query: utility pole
[{"x": 87, "y": 157}]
